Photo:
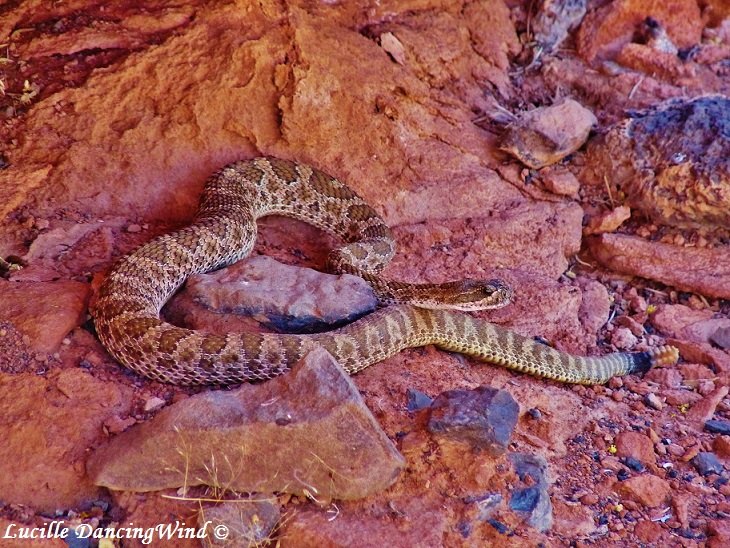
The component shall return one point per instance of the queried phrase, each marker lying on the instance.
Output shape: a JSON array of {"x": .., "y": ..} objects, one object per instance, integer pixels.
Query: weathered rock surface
[
  {"x": 704, "y": 409},
  {"x": 291, "y": 298},
  {"x": 484, "y": 418},
  {"x": 307, "y": 432},
  {"x": 672, "y": 161},
  {"x": 130, "y": 105},
  {"x": 536, "y": 238},
  {"x": 682, "y": 322},
  {"x": 238, "y": 523},
  {"x": 635, "y": 445},
  {"x": 704, "y": 271},
  {"x": 47, "y": 426},
  {"x": 607, "y": 29},
  {"x": 44, "y": 311},
  {"x": 647, "y": 489},
  {"x": 608, "y": 221}
]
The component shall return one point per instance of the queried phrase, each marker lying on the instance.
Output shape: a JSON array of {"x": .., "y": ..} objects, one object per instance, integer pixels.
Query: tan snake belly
[{"x": 126, "y": 310}]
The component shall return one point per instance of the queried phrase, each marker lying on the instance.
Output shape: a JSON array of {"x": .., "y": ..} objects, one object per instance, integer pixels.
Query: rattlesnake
[{"x": 128, "y": 302}]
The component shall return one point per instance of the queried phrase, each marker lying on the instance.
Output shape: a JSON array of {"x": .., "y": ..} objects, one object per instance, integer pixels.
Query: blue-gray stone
[
  {"x": 417, "y": 400},
  {"x": 707, "y": 463},
  {"x": 718, "y": 427},
  {"x": 484, "y": 417},
  {"x": 525, "y": 500}
]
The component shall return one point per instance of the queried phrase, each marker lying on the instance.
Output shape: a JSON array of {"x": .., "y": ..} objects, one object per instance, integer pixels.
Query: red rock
[
  {"x": 704, "y": 331},
  {"x": 284, "y": 294},
  {"x": 703, "y": 353},
  {"x": 634, "y": 444},
  {"x": 649, "y": 490},
  {"x": 668, "y": 378},
  {"x": 719, "y": 532},
  {"x": 537, "y": 238},
  {"x": 672, "y": 319},
  {"x": 623, "y": 339},
  {"x": 606, "y": 30},
  {"x": 704, "y": 409},
  {"x": 700, "y": 270},
  {"x": 635, "y": 327},
  {"x": 545, "y": 135},
  {"x": 678, "y": 397},
  {"x": 308, "y": 527},
  {"x": 572, "y": 520},
  {"x": 589, "y": 499},
  {"x": 595, "y": 305},
  {"x": 344, "y": 453},
  {"x": 648, "y": 531},
  {"x": 560, "y": 181},
  {"x": 659, "y": 64},
  {"x": 696, "y": 371},
  {"x": 609, "y": 221},
  {"x": 681, "y": 502},
  {"x": 42, "y": 463},
  {"x": 721, "y": 446},
  {"x": 44, "y": 311}
]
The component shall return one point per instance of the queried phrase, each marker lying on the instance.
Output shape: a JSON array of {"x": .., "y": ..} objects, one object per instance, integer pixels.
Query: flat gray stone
[
  {"x": 307, "y": 432},
  {"x": 291, "y": 298}
]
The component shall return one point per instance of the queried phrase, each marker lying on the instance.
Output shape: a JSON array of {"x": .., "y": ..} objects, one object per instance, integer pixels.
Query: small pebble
[
  {"x": 623, "y": 339},
  {"x": 133, "y": 228},
  {"x": 707, "y": 463},
  {"x": 589, "y": 499},
  {"x": 653, "y": 401},
  {"x": 415, "y": 400},
  {"x": 676, "y": 450},
  {"x": 535, "y": 413},
  {"x": 634, "y": 463},
  {"x": 153, "y": 404}
]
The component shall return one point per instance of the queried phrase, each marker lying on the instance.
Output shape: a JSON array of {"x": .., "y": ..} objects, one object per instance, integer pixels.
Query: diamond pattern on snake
[{"x": 127, "y": 308}]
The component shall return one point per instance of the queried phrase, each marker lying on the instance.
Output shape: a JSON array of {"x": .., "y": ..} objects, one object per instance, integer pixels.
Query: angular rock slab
[
  {"x": 291, "y": 297},
  {"x": 699, "y": 270},
  {"x": 307, "y": 432}
]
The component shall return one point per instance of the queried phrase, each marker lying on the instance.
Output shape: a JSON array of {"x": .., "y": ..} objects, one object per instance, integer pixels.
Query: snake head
[{"x": 470, "y": 295}]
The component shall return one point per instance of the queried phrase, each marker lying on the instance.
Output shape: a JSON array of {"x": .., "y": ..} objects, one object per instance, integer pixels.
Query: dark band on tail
[{"x": 663, "y": 355}]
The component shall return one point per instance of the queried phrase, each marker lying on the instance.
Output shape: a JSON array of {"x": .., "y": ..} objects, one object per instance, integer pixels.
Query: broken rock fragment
[
  {"x": 546, "y": 135},
  {"x": 484, "y": 417},
  {"x": 307, "y": 432}
]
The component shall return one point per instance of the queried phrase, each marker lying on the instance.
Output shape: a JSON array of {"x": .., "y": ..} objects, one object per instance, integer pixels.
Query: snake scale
[{"x": 127, "y": 306}]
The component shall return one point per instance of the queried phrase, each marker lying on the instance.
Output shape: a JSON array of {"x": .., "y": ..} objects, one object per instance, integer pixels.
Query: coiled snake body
[{"x": 126, "y": 310}]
